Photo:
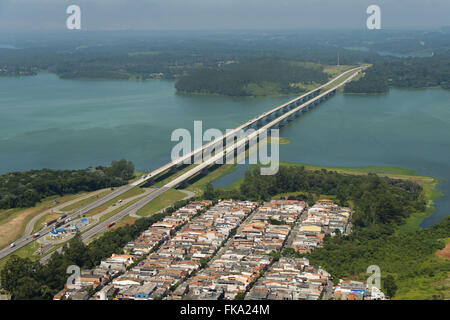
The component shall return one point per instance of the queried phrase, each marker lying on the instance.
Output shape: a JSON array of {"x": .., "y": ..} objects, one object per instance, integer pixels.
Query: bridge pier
[
  {"x": 183, "y": 184},
  {"x": 173, "y": 169}
]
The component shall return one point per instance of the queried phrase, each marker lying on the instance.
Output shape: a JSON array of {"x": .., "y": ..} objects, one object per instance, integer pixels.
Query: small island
[{"x": 255, "y": 77}]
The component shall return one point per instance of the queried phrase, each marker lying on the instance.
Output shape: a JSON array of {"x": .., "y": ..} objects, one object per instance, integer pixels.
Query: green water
[{"x": 53, "y": 123}]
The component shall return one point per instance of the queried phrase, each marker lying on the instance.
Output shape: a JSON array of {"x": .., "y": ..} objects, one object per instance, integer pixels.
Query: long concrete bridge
[
  {"x": 252, "y": 123},
  {"x": 274, "y": 118}
]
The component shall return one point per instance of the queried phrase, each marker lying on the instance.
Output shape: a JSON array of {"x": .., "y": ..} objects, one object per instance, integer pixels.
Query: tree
[
  {"x": 240, "y": 296},
  {"x": 209, "y": 193},
  {"x": 390, "y": 286},
  {"x": 15, "y": 268}
]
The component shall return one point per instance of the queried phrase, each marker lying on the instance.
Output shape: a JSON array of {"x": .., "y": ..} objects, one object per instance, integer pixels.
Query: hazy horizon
[{"x": 201, "y": 15}]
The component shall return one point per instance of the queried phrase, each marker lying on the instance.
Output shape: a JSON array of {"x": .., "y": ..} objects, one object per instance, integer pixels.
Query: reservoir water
[{"x": 46, "y": 122}]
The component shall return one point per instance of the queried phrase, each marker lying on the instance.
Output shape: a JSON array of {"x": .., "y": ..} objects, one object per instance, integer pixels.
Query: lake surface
[{"x": 53, "y": 123}]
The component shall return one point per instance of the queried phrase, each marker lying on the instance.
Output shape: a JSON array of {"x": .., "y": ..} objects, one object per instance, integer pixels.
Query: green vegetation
[
  {"x": 25, "y": 189},
  {"x": 262, "y": 76},
  {"x": 409, "y": 73},
  {"x": 376, "y": 199},
  {"x": 408, "y": 258},
  {"x": 133, "y": 192},
  {"x": 83, "y": 202},
  {"x": 161, "y": 202},
  {"x": 281, "y": 141},
  {"x": 200, "y": 185}
]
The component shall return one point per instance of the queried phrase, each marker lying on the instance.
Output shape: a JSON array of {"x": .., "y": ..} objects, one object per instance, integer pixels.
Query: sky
[{"x": 221, "y": 14}]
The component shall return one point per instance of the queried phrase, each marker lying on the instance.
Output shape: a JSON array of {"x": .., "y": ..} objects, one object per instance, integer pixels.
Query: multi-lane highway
[{"x": 98, "y": 202}]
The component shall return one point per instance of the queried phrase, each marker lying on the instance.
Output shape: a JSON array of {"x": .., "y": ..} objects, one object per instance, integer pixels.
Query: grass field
[
  {"x": 199, "y": 186},
  {"x": 334, "y": 71},
  {"x": 39, "y": 224},
  {"x": 161, "y": 202},
  {"x": 280, "y": 140},
  {"x": 435, "y": 285},
  {"x": 175, "y": 175},
  {"x": 24, "y": 252}
]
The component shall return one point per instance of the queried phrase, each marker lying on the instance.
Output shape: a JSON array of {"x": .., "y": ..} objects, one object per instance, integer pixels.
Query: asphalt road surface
[{"x": 103, "y": 226}]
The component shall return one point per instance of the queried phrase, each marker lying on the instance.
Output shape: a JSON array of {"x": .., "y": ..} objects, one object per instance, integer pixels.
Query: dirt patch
[
  {"x": 124, "y": 222},
  {"x": 11, "y": 229},
  {"x": 444, "y": 253},
  {"x": 96, "y": 211}
]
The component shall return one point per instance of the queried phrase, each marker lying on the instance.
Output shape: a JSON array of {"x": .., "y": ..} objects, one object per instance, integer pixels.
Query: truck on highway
[
  {"x": 37, "y": 234},
  {"x": 62, "y": 217},
  {"x": 49, "y": 222},
  {"x": 59, "y": 223},
  {"x": 110, "y": 225}
]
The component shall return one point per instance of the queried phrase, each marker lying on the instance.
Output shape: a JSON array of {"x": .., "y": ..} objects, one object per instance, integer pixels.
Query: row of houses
[
  {"x": 245, "y": 256},
  {"x": 183, "y": 253},
  {"x": 290, "y": 279},
  {"x": 160, "y": 232},
  {"x": 325, "y": 217}
]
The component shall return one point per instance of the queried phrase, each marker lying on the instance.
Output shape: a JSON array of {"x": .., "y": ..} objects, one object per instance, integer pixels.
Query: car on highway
[
  {"x": 37, "y": 234},
  {"x": 12, "y": 245}
]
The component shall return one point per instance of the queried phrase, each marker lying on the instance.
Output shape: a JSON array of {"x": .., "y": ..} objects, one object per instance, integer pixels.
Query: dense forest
[
  {"x": 405, "y": 257},
  {"x": 25, "y": 189},
  {"x": 236, "y": 79},
  {"x": 405, "y": 73},
  {"x": 375, "y": 199},
  {"x": 168, "y": 55}
]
